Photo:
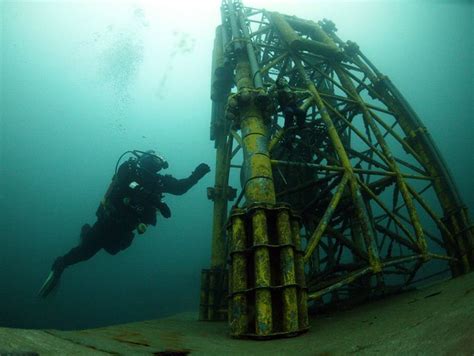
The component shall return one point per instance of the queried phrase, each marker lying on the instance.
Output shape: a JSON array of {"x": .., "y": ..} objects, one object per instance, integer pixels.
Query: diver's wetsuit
[
  {"x": 288, "y": 102},
  {"x": 126, "y": 205}
]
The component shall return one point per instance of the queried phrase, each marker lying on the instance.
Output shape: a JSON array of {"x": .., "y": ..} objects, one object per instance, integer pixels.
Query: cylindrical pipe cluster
[{"x": 267, "y": 291}]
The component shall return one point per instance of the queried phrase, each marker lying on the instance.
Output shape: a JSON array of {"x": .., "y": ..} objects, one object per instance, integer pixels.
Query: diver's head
[
  {"x": 151, "y": 162},
  {"x": 281, "y": 82}
]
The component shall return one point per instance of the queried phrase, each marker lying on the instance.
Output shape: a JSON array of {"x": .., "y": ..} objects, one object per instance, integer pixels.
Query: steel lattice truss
[{"x": 358, "y": 173}]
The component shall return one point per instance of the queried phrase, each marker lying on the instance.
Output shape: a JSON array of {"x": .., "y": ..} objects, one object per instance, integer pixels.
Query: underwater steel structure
[{"x": 350, "y": 204}]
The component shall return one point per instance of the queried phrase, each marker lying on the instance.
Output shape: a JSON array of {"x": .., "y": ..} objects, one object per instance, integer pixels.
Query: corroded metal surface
[
  {"x": 321, "y": 129},
  {"x": 273, "y": 286},
  {"x": 263, "y": 299},
  {"x": 361, "y": 170},
  {"x": 238, "y": 309},
  {"x": 288, "y": 276}
]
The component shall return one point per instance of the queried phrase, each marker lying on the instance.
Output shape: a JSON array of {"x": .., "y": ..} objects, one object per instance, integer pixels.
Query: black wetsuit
[
  {"x": 288, "y": 102},
  {"x": 133, "y": 197}
]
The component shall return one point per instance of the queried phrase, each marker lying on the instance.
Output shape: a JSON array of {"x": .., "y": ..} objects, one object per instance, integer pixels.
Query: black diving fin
[{"x": 51, "y": 282}]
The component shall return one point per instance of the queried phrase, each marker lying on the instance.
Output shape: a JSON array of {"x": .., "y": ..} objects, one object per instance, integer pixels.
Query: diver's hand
[
  {"x": 200, "y": 171},
  {"x": 164, "y": 210}
]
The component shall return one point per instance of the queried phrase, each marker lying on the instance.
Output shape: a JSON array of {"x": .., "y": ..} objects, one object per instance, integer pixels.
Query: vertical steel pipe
[
  {"x": 300, "y": 276},
  {"x": 263, "y": 298},
  {"x": 287, "y": 272},
  {"x": 238, "y": 307}
]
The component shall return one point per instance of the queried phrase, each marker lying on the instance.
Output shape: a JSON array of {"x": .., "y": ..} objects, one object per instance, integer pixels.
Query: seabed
[{"x": 434, "y": 320}]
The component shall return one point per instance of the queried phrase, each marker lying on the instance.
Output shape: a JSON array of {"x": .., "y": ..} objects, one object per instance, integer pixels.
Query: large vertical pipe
[
  {"x": 234, "y": 26},
  {"x": 303, "y": 320},
  {"x": 257, "y": 169},
  {"x": 256, "y": 76},
  {"x": 238, "y": 307},
  {"x": 219, "y": 91},
  {"x": 220, "y": 204},
  {"x": 221, "y": 72},
  {"x": 287, "y": 271},
  {"x": 263, "y": 298},
  {"x": 259, "y": 188}
]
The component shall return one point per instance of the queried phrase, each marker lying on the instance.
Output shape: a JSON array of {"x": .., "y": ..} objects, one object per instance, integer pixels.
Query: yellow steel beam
[
  {"x": 287, "y": 33},
  {"x": 323, "y": 223},
  {"x": 420, "y": 140},
  {"x": 415, "y": 220}
]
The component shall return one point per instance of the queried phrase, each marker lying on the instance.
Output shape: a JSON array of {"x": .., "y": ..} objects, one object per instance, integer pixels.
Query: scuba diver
[
  {"x": 288, "y": 101},
  {"x": 131, "y": 203}
]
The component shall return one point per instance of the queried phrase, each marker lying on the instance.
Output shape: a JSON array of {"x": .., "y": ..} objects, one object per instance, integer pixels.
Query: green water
[{"x": 83, "y": 81}]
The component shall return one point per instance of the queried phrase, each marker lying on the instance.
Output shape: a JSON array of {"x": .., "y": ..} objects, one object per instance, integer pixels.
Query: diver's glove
[
  {"x": 164, "y": 210},
  {"x": 200, "y": 171},
  {"x": 141, "y": 228}
]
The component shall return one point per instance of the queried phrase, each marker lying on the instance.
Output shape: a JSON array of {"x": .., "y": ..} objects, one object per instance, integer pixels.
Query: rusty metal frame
[{"x": 354, "y": 172}]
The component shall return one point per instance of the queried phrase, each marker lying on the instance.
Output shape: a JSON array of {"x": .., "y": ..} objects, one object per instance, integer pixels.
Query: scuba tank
[
  {"x": 107, "y": 207},
  {"x": 133, "y": 196}
]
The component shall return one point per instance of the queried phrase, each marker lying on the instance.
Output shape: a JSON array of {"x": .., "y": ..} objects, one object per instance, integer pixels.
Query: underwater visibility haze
[{"x": 84, "y": 81}]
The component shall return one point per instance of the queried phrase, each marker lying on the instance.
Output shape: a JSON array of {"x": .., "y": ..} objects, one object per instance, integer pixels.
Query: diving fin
[{"x": 50, "y": 283}]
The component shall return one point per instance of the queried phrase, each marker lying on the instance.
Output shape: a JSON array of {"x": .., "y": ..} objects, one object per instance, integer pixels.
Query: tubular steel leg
[
  {"x": 287, "y": 265},
  {"x": 263, "y": 299},
  {"x": 218, "y": 257},
  {"x": 238, "y": 307},
  {"x": 303, "y": 320}
]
